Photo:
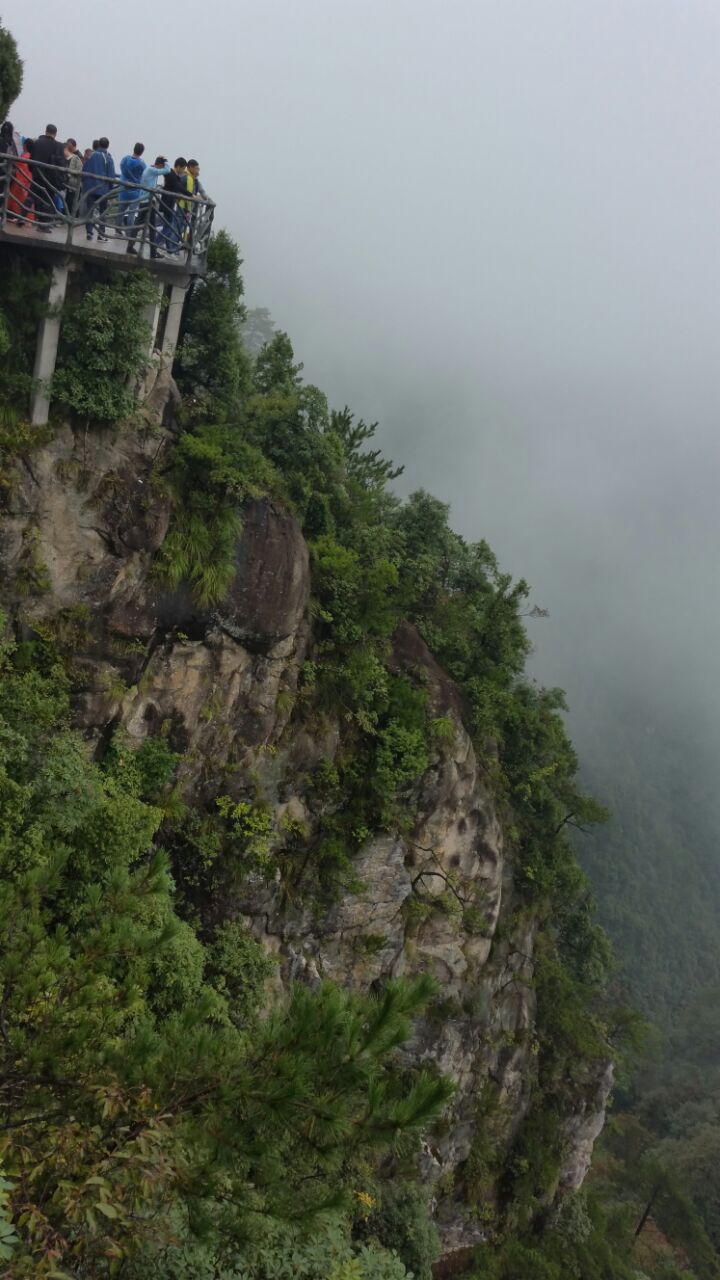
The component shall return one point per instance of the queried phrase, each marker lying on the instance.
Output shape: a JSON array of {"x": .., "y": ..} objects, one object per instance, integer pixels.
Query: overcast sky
[{"x": 493, "y": 226}]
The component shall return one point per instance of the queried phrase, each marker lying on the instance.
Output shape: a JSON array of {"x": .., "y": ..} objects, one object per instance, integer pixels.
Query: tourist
[
  {"x": 174, "y": 187},
  {"x": 194, "y": 185},
  {"x": 147, "y": 214},
  {"x": 7, "y": 140},
  {"x": 8, "y": 154},
  {"x": 98, "y": 172},
  {"x": 47, "y": 183},
  {"x": 132, "y": 168},
  {"x": 74, "y": 163},
  {"x": 20, "y": 204},
  {"x": 195, "y": 212}
]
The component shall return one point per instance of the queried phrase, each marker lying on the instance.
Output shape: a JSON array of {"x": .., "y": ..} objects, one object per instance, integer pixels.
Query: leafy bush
[
  {"x": 212, "y": 471},
  {"x": 103, "y": 344},
  {"x": 144, "y": 772},
  {"x": 402, "y": 1222},
  {"x": 211, "y": 367},
  {"x": 23, "y": 301},
  {"x": 328, "y": 1256},
  {"x": 280, "y": 1253},
  {"x": 238, "y": 967}
]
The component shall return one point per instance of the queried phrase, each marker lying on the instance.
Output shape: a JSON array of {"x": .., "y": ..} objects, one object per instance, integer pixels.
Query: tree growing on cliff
[
  {"x": 11, "y": 71},
  {"x": 257, "y": 330},
  {"x": 211, "y": 365}
]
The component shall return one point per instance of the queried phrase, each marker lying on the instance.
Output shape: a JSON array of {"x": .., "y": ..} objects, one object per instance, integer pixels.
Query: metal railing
[{"x": 75, "y": 208}]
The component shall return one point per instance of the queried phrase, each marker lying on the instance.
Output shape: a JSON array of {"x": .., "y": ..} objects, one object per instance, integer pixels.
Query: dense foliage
[
  {"x": 23, "y": 299},
  {"x": 11, "y": 72},
  {"x": 104, "y": 342},
  {"x": 129, "y": 1083}
]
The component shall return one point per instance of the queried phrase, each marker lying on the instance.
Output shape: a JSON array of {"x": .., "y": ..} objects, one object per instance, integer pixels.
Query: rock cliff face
[{"x": 84, "y": 518}]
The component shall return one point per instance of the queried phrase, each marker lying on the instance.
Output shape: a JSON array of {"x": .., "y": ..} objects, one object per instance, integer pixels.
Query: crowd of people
[{"x": 87, "y": 187}]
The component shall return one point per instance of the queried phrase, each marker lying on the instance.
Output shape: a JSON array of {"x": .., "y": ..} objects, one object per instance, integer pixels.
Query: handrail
[{"x": 152, "y": 222}]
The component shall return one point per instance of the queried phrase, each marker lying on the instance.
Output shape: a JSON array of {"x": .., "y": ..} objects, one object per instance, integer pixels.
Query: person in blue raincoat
[
  {"x": 132, "y": 168},
  {"x": 97, "y": 170}
]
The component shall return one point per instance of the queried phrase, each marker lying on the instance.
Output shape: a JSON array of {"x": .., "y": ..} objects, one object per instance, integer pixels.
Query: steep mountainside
[
  {"x": 297, "y": 955},
  {"x": 436, "y": 897}
]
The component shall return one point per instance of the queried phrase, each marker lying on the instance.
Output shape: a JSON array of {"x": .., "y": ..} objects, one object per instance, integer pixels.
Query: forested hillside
[
  {"x": 655, "y": 864},
  {"x": 299, "y": 974},
  {"x": 183, "y": 842},
  {"x": 656, "y": 873}
]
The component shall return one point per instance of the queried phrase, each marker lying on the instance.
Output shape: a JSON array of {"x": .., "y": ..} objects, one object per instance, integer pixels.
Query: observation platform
[
  {"x": 67, "y": 220},
  {"x": 113, "y": 253}
]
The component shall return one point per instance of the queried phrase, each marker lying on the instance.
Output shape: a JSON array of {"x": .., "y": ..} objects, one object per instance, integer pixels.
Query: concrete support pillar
[
  {"x": 151, "y": 316},
  {"x": 172, "y": 321},
  {"x": 47, "y": 345}
]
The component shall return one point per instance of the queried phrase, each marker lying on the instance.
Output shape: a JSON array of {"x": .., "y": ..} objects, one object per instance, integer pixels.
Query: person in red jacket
[{"x": 20, "y": 205}]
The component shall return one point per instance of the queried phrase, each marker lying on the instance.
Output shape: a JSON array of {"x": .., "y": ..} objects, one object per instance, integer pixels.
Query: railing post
[
  {"x": 70, "y": 218},
  {"x": 47, "y": 345}
]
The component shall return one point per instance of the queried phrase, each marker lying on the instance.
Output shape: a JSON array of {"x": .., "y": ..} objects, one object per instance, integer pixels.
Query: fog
[{"x": 491, "y": 226}]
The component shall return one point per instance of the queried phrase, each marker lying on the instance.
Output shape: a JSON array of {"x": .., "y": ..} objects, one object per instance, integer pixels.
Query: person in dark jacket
[
  {"x": 46, "y": 183},
  {"x": 98, "y": 169},
  {"x": 8, "y": 153},
  {"x": 7, "y": 139},
  {"x": 174, "y": 189}
]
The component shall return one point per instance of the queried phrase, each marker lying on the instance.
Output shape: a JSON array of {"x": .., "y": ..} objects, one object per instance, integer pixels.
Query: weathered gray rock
[
  {"x": 434, "y": 901},
  {"x": 583, "y": 1128},
  {"x": 89, "y": 510},
  {"x": 270, "y": 591}
]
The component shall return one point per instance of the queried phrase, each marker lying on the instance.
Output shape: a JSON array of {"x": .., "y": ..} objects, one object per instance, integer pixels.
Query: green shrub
[
  {"x": 103, "y": 344},
  {"x": 212, "y": 471},
  {"x": 402, "y": 1223},
  {"x": 238, "y": 967},
  {"x": 211, "y": 367},
  {"x": 277, "y": 1253}
]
